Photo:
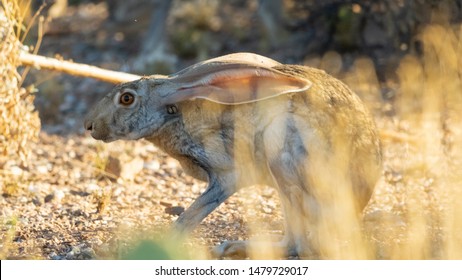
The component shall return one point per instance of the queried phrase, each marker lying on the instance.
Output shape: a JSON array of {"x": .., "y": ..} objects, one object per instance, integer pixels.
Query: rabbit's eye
[{"x": 126, "y": 98}]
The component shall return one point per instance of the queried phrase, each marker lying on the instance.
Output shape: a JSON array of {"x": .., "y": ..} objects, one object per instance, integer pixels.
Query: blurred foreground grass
[{"x": 415, "y": 212}]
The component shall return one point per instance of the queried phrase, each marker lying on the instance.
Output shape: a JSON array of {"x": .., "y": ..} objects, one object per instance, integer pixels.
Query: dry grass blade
[{"x": 20, "y": 123}]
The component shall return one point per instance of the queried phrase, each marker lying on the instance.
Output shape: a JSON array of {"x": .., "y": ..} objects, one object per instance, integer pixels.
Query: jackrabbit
[{"x": 244, "y": 119}]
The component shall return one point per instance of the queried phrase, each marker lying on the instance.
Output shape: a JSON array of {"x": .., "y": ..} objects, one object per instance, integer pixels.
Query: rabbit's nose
[{"x": 88, "y": 125}]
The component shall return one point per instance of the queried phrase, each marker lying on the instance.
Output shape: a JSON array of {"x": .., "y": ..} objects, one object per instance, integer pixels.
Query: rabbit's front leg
[{"x": 218, "y": 190}]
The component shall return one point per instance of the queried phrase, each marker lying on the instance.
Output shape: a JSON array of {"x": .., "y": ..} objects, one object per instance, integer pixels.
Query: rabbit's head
[{"x": 140, "y": 108}]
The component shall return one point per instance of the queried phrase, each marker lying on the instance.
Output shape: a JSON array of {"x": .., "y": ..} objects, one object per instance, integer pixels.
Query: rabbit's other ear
[
  {"x": 246, "y": 58},
  {"x": 232, "y": 83}
]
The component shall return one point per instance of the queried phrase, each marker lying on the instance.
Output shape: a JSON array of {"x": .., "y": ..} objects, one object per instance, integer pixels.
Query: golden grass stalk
[{"x": 19, "y": 122}]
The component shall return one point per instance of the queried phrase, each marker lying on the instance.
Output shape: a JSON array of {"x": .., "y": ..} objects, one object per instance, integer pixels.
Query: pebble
[
  {"x": 42, "y": 169},
  {"x": 166, "y": 203},
  {"x": 153, "y": 165},
  {"x": 59, "y": 195},
  {"x": 172, "y": 163},
  {"x": 36, "y": 201},
  {"x": 88, "y": 253},
  {"x": 117, "y": 191},
  {"x": 267, "y": 210},
  {"x": 196, "y": 188},
  {"x": 77, "y": 174},
  {"x": 151, "y": 148},
  {"x": 49, "y": 198},
  {"x": 95, "y": 241},
  {"x": 73, "y": 253},
  {"x": 113, "y": 166},
  {"x": 16, "y": 170},
  {"x": 90, "y": 188},
  {"x": 120, "y": 167},
  {"x": 54, "y": 256},
  {"x": 174, "y": 210},
  {"x": 132, "y": 168},
  {"x": 33, "y": 188}
]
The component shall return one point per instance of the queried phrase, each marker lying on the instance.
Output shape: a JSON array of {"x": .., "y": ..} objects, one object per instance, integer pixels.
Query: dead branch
[{"x": 76, "y": 69}]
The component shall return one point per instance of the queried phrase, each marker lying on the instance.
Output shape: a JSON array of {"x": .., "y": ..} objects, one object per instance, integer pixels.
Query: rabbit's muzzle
[{"x": 99, "y": 130}]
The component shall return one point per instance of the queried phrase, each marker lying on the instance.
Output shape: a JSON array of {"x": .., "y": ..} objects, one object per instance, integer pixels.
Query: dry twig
[{"x": 76, "y": 69}]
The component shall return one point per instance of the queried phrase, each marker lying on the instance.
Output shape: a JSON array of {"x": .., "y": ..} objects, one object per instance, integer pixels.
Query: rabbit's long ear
[{"x": 232, "y": 83}]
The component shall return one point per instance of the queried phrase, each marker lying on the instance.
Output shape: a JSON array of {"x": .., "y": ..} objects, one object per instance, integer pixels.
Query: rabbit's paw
[{"x": 230, "y": 249}]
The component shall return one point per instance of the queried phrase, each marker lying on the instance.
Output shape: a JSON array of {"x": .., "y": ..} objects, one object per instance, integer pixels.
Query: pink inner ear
[
  {"x": 238, "y": 85},
  {"x": 228, "y": 80}
]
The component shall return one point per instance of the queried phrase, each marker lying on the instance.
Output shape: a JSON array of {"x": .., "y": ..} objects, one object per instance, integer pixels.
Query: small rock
[
  {"x": 166, "y": 203},
  {"x": 36, "y": 201},
  {"x": 49, "y": 198},
  {"x": 54, "y": 256},
  {"x": 75, "y": 251},
  {"x": 77, "y": 174},
  {"x": 42, "y": 169},
  {"x": 121, "y": 168},
  {"x": 59, "y": 195},
  {"x": 33, "y": 188},
  {"x": 267, "y": 210},
  {"x": 113, "y": 166},
  {"x": 196, "y": 188},
  {"x": 16, "y": 170},
  {"x": 174, "y": 210},
  {"x": 153, "y": 165},
  {"x": 70, "y": 255},
  {"x": 88, "y": 253},
  {"x": 126, "y": 225},
  {"x": 267, "y": 193},
  {"x": 95, "y": 241},
  {"x": 78, "y": 213},
  {"x": 172, "y": 163},
  {"x": 151, "y": 149},
  {"x": 92, "y": 188},
  {"x": 132, "y": 168},
  {"x": 117, "y": 191}
]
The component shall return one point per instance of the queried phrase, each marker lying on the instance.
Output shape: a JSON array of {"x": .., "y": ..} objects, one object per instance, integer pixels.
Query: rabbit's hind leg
[{"x": 297, "y": 221}]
